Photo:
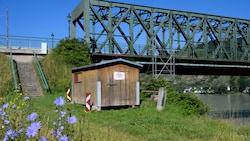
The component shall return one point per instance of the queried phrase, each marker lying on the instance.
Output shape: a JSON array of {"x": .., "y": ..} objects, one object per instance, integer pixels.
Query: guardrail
[
  {"x": 14, "y": 72},
  {"x": 27, "y": 42},
  {"x": 41, "y": 74}
]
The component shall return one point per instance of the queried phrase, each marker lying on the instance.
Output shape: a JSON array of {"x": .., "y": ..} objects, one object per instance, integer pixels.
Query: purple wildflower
[
  {"x": 11, "y": 134},
  {"x": 26, "y": 98},
  {"x": 63, "y": 113},
  {"x": 5, "y": 106},
  {"x": 6, "y": 121},
  {"x": 32, "y": 116},
  {"x": 19, "y": 132},
  {"x": 64, "y": 138},
  {"x": 72, "y": 119},
  {"x": 61, "y": 128},
  {"x": 59, "y": 101},
  {"x": 2, "y": 113},
  {"x": 33, "y": 129},
  {"x": 13, "y": 106},
  {"x": 5, "y": 138},
  {"x": 57, "y": 133},
  {"x": 43, "y": 139}
]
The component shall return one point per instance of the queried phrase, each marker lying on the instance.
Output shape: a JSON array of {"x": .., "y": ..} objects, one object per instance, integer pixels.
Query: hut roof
[{"x": 106, "y": 63}]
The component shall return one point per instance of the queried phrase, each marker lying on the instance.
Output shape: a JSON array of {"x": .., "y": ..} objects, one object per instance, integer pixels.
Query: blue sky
[{"x": 40, "y": 18}]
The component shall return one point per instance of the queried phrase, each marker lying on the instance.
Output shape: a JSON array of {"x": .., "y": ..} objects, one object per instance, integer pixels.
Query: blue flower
[
  {"x": 6, "y": 121},
  {"x": 5, "y": 106},
  {"x": 33, "y": 129},
  {"x": 19, "y": 132},
  {"x": 57, "y": 133},
  {"x": 13, "y": 106},
  {"x": 72, "y": 119},
  {"x": 32, "y": 116},
  {"x": 10, "y": 134},
  {"x": 59, "y": 101},
  {"x": 63, "y": 138},
  {"x": 63, "y": 113},
  {"x": 26, "y": 98},
  {"x": 2, "y": 113},
  {"x": 43, "y": 139}
]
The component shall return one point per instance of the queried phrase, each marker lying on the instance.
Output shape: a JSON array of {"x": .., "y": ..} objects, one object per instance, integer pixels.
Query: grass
[
  {"x": 5, "y": 74},
  {"x": 144, "y": 123}
]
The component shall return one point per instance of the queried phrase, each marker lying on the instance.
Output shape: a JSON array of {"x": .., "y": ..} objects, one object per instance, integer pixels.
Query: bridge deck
[{"x": 187, "y": 66}]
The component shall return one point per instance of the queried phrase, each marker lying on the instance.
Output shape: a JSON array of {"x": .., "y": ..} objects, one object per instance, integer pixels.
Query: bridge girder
[{"x": 125, "y": 29}]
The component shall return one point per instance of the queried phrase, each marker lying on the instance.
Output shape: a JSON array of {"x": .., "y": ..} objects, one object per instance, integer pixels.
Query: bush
[
  {"x": 189, "y": 104},
  {"x": 74, "y": 52},
  {"x": 150, "y": 83},
  {"x": 69, "y": 53}
]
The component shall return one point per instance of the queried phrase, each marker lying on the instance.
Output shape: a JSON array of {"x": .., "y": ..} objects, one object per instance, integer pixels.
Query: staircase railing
[
  {"x": 14, "y": 72},
  {"x": 41, "y": 74}
]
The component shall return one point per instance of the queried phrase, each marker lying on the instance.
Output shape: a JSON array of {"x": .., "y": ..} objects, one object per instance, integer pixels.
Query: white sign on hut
[{"x": 111, "y": 83}]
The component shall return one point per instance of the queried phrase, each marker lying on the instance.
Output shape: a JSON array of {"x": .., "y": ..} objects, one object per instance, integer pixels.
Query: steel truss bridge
[{"x": 178, "y": 41}]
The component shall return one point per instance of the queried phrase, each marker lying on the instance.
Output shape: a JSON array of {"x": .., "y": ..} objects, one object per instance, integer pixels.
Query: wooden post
[{"x": 161, "y": 98}]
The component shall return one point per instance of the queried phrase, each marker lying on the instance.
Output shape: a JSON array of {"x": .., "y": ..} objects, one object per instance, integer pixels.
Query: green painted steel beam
[{"x": 119, "y": 28}]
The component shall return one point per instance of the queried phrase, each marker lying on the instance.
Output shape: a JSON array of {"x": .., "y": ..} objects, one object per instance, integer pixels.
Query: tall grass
[
  {"x": 57, "y": 73},
  {"x": 140, "y": 123},
  {"x": 132, "y": 124},
  {"x": 6, "y": 81}
]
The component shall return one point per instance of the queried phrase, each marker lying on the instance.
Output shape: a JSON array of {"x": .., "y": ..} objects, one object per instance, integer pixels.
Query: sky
[{"x": 41, "y": 18}]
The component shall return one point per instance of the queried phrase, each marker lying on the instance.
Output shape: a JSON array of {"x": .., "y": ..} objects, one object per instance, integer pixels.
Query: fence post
[
  {"x": 161, "y": 98},
  {"x": 99, "y": 96}
]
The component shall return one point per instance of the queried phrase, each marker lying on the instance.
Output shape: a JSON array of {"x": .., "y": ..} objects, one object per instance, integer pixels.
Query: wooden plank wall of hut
[
  {"x": 90, "y": 79},
  {"x": 118, "y": 92}
]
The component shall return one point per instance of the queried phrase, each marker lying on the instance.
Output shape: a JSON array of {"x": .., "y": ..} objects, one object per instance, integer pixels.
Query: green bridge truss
[{"x": 133, "y": 30}]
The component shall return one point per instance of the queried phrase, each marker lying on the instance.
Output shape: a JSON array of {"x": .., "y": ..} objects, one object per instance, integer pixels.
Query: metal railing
[
  {"x": 14, "y": 71},
  {"x": 41, "y": 74},
  {"x": 27, "y": 42}
]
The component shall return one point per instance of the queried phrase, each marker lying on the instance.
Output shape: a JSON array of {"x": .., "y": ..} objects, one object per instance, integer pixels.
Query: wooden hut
[{"x": 110, "y": 83}]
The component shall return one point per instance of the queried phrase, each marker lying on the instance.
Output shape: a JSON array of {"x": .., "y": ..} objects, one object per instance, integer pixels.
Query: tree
[
  {"x": 73, "y": 51},
  {"x": 242, "y": 83}
]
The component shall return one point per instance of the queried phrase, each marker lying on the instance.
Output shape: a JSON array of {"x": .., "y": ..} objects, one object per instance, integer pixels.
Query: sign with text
[
  {"x": 119, "y": 75},
  {"x": 44, "y": 48}
]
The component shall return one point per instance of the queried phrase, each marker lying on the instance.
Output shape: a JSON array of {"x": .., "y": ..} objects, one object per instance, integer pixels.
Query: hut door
[{"x": 118, "y": 89}]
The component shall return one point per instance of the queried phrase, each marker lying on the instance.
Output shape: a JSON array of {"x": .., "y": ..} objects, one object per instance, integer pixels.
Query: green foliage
[
  {"x": 243, "y": 83},
  {"x": 6, "y": 80},
  {"x": 188, "y": 104},
  {"x": 57, "y": 72},
  {"x": 57, "y": 65},
  {"x": 73, "y": 51},
  {"x": 150, "y": 83},
  {"x": 233, "y": 83},
  {"x": 19, "y": 121}
]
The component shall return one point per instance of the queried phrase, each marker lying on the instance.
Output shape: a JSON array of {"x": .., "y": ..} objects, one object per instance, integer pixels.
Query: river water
[{"x": 234, "y": 108}]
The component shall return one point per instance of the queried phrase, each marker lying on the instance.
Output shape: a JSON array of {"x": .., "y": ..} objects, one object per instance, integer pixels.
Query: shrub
[
  {"x": 74, "y": 52},
  {"x": 189, "y": 104},
  {"x": 69, "y": 53}
]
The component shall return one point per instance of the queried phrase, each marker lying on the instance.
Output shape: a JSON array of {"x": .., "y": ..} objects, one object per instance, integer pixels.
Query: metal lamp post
[
  {"x": 52, "y": 38},
  {"x": 69, "y": 20}
]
